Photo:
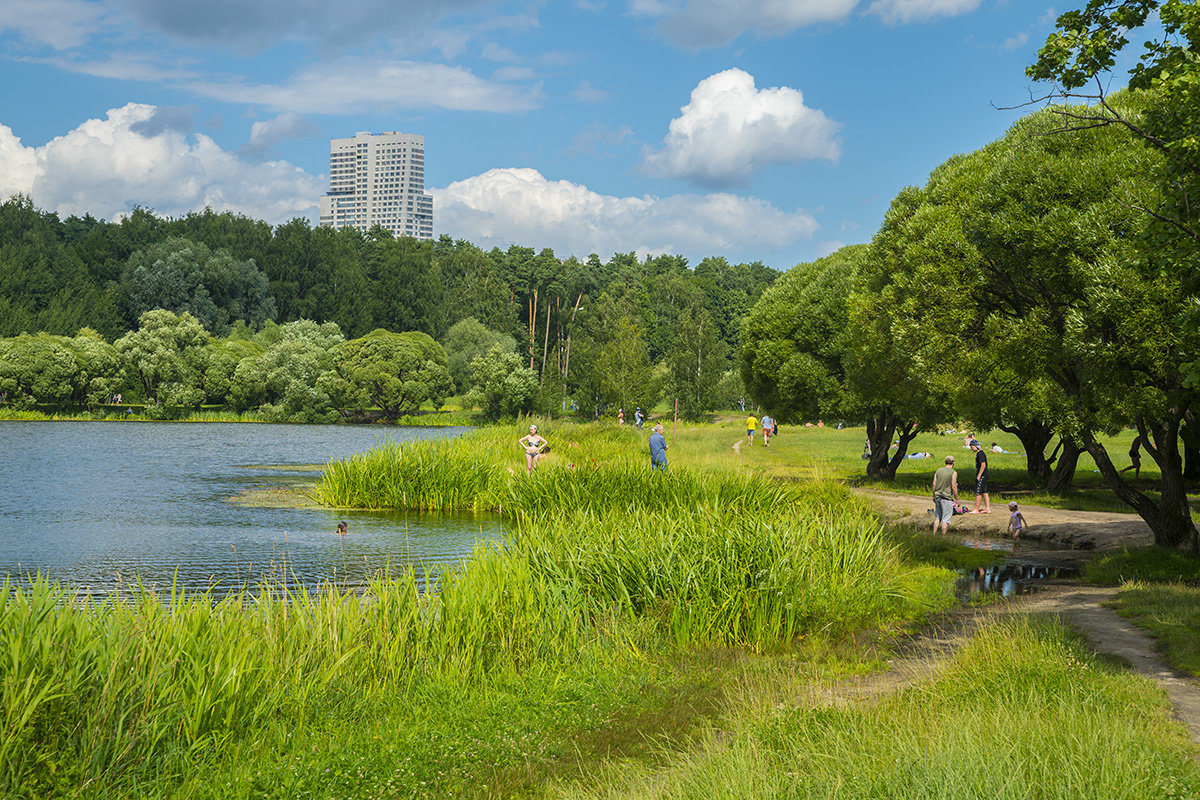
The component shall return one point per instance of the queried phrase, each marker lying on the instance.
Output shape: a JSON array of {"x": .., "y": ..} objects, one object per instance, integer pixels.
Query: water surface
[{"x": 93, "y": 504}]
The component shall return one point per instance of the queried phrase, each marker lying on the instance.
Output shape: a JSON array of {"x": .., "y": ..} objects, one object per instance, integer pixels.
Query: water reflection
[
  {"x": 96, "y": 504},
  {"x": 1007, "y": 580}
]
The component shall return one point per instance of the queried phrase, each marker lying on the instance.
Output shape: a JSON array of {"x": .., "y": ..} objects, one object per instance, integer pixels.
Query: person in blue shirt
[{"x": 658, "y": 449}]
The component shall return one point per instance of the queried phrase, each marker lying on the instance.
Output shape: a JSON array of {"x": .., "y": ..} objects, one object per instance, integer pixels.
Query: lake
[{"x": 97, "y": 504}]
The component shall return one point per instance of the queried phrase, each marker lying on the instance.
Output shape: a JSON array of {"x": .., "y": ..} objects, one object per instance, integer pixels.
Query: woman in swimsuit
[{"x": 533, "y": 445}]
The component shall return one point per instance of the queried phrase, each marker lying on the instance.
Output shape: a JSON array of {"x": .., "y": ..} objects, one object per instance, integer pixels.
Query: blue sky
[{"x": 772, "y": 130}]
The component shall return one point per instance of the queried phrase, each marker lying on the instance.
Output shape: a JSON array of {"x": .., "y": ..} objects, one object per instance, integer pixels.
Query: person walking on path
[
  {"x": 767, "y": 422},
  {"x": 751, "y": 424},
  {"x": 742, "y": 404},
  {"x": 620, "y": 416},
  {"x": 945, "y": 495},
  {"x": 1135, "y": 456},
  {"x": 658, "y": 450},
  {"x": 638, "y": 417},
  {"x": 981, "y": 479},
  {"x": 534, "y": 446}
]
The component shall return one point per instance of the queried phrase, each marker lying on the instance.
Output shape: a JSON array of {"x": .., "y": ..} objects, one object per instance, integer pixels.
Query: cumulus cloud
[
  {"x": 355, "y": 85},
  {"x": 262, "y": 23},
  {"x": 265, "y": 134},
  {"x": 697, "y": 24},
  {"x": 731, "y": 130},
  {"x": 58, "y": 23},
  {"x": 898, "y": 12},
  {"x": 105, "y": 167},
  {"x": 507, "y": 206},
  {"x": 165, "y": 118}
]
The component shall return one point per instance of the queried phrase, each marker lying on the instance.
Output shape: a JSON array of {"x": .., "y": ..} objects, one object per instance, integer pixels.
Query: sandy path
[{"x": 1108, "y": 531}]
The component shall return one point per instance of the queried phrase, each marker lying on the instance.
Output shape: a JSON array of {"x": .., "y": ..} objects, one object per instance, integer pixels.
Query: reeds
[{"x": 602, "y": 556}]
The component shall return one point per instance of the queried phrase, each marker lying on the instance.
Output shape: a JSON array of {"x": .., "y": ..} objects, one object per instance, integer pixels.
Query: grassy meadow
[{"x": 636, "y": 634}]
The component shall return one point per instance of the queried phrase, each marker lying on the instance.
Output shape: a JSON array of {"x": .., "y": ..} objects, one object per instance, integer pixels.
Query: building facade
[{"x": 378, "y": 179}]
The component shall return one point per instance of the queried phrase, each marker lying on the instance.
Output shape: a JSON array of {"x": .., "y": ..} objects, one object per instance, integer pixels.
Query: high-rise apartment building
[{"x": 378, "y": 179}]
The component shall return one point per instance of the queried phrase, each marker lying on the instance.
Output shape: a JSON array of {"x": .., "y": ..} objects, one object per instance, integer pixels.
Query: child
[{"x": 1016, "y": 521}]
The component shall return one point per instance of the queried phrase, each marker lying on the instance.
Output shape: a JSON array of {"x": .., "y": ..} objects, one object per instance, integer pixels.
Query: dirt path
[
  {"x": 1054, "y": 526},
  {"x": 1081, "y": 607}
]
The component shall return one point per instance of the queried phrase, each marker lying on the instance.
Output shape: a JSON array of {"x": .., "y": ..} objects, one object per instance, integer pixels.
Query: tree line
[
  {"x": 596, "y": 334},
  {"x": 1047, "y": 284}
]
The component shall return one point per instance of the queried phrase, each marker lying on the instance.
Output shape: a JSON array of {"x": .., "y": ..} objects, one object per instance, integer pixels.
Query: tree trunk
[
  {"x": 1061, "y": 479},
  {"x": 1035, "y": 437},
  {"x": 1189, "y": 431},
  {"x": 1171, "y": 518},
  {"x": 532, "y": 326},
  {"x": 545, "y": 341},
  {"x": 880, "y": 430}
]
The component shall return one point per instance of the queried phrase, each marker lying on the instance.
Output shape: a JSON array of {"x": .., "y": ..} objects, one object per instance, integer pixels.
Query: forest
[{"x": 600, "y": 334}]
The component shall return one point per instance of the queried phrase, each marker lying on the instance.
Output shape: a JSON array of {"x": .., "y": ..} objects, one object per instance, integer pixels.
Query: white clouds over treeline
[
  {"x": 521, "y": 206},
  {"x": 106, "y": 167},
  {"x": 140, "y": 155}
]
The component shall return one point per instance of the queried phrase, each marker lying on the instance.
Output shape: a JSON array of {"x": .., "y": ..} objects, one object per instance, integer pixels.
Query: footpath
[{"x": 923, "y": 655}]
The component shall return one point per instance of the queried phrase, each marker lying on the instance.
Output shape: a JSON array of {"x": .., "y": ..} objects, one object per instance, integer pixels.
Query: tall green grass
[
  {"x": 1023, "y": 711},
  {"x": 602, "y": 557}
]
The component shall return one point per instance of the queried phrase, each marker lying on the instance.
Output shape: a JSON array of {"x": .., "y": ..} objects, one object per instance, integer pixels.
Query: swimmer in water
[{"x": 342, "y": 529}]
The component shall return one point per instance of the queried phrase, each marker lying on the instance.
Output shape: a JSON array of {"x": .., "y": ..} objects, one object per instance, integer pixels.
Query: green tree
[
  {"x": 794, "y": 340},
  {"x": 294, "y": 379},
  {"x": 1039, "y": 248},
  {"x": 185, "y": 276},
  {"x": 167, "y": 355},
  {"x": 503, "y": 386},
  {"x": 100, "y": 373},
  {"x": 466, "y": 340},
  {"x": 224, "y": 356},
  {"x": 696, "y": 364},
  {"x": 623, "y": 367},
  {"x": 37, "y": 368},
  {"x": 394, "y": 372}
]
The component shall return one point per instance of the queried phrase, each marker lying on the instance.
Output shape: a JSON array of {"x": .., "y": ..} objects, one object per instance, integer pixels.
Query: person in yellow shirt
[{"x": 751, "y": 424}]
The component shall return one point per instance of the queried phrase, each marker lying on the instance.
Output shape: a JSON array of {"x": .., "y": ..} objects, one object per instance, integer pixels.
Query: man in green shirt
[{"x": 945, "y": 495}]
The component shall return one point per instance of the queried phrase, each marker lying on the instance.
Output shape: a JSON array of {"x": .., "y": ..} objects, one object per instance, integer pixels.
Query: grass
[
  {"x": 1022, "y": 711},
  {"x": 1143, "y": 564},
  {"x": 1160, "y": 592},
  {"x": 829, "y": 454},
  {"x": 1171, "y": 614},
  {"x": 610, "y": 578},
  {"x": 625, "y": 619}
]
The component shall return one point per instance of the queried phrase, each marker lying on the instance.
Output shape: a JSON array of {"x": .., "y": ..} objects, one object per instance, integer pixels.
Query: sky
[{"x": 768, "y": 130}]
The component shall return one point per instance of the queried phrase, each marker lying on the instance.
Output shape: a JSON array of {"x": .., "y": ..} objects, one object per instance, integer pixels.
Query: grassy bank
[
  {"x": 1024, "y": 710},
  {"x": 626, "y": 618},
  {"x": 534, "y": 658}
]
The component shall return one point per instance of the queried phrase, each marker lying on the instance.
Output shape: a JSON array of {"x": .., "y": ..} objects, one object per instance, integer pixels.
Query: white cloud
[
  {"x": 353, "y": 85},
  {"x": 508, "y": 206},
  {"x": 1015, "y": 42},
  {"x": 697, "y": 24},
  {"x": 105, "y": 167},
  {"x": 18, "y": 165},
  {"x": 898, "y": 12},
  {"x": 586, "y": 93},
  {"x": 265, "y": 134},
  {"x": 730, "y": 130},
  {"x": 264, "y": 23},
  {"x": 58, "y": 23}
]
